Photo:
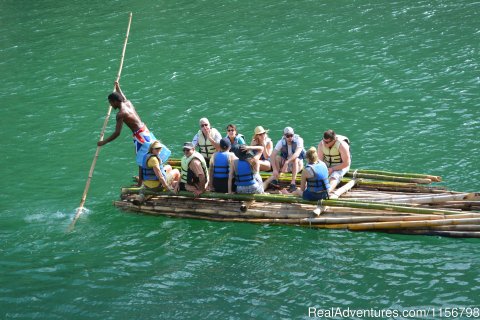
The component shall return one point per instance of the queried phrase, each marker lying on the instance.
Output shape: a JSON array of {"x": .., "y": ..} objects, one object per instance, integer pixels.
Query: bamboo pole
[
  {"x": 392, "y": 207},
  {"x": 337, "y": 193},
  {"x": 353, "y": 219},
  {"x": 453, "y": 234},
  {"x": 418, "y": 199},
  {"x": 362, "y": 173},
  {"x": 398, "y": 174},
  {"x": 102, "y": 133},
  {"x": 411, "y": 224}
]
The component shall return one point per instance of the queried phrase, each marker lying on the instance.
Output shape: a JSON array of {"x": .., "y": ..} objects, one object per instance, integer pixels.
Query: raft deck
[{"x": 405, "y": 207}]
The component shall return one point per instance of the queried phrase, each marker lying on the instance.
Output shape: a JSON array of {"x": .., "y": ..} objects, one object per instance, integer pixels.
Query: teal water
[{"x": 400, "y": 78}]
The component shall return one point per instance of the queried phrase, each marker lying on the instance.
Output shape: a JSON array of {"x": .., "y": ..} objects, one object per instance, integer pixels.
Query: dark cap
[
  {"x": 225, "y": 143},
  {"x": 188, "y": 145},
  {"x": 243, "y": 153}
]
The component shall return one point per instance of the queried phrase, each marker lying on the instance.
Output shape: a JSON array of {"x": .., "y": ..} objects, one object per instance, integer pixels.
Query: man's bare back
[{"x": 129, "y": 116}]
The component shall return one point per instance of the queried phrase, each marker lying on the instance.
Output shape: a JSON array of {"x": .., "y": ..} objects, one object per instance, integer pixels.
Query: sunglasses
[
  {"x": 231, "y": 130},
  {"x": 327, "y": 141},
  {"x": 288, "y": 135},
  {"x": 157, "y": 148},
  {"x": 204, "y": 125}
]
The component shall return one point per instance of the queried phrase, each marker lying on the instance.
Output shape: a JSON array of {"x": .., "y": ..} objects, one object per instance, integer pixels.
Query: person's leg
[
  {"x": 273, "y": 179},
  {"x": 294, "y": 170},
  {"x": 335, "y": 178},
  {"x": 265, "y": 165},
  {"x": 297, "y": 166}
]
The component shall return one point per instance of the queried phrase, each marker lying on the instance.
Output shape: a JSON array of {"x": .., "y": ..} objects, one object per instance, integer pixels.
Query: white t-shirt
[{"x": 296, "y": 138}]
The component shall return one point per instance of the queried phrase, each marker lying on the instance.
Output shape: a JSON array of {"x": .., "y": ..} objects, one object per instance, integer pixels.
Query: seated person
[
  {"x": 260, "y": 138},
  {"x": 287, "y": 156},
  {"x": 219, "y": 169},
  {"x": 234, "y": 137},
  {"x": 314, "y": 185},
  {"x": 194, "y": 174},
  {"x": 156, "y": 176},
  {"x": 334, "y": 151},
  {"x": 207, "y": 139},
  {"x": 245, "y": 170}
]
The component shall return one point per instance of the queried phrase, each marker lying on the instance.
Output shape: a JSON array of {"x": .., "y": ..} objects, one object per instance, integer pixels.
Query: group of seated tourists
[{"x": 228, "y": 164}]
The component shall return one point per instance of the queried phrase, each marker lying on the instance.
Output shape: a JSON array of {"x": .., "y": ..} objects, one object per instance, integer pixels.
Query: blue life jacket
[
  {"x": 243, "y": 173},
  {"x": 239, "y": 139},
  {"x": 220, "y": 166},
  {"x": 149, "y": 173},
  {"x": 164, "y": 153},
  {"x": 319, "y": 182},
  {"x": 284, "y": 150}
]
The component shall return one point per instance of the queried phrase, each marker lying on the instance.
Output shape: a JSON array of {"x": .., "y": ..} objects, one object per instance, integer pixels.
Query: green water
[{"x": 400, "y": 78}]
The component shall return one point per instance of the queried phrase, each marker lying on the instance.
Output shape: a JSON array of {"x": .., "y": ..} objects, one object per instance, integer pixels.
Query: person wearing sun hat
[
  {"x": 287, "y": 156},
  {"x": 260, "y": 138},
  {"x": 156, "y": 175}
]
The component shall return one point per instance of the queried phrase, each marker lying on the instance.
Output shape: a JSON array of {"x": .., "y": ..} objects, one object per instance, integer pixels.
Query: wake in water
[
  {"x": 44, "y": 216},
  {"x": 83, "y": 210}
]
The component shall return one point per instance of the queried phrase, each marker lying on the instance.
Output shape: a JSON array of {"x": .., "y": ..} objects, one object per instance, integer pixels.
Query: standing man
[
  {"x": 194, "y": 175},
  {"x": 287, "y": 156},
  {"x": 207, "y": 139},
  {"x": 334, "y": 151},
  {"x": 128, "y": 115}
]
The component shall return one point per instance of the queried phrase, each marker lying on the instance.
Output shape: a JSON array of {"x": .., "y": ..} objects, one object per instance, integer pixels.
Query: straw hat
[
  {"x": 259, "y": 130},
  {"x": 155, "y": 145}
]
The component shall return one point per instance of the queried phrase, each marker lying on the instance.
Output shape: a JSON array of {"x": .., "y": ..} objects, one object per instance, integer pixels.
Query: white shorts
[{"x": 338, "y": 175}]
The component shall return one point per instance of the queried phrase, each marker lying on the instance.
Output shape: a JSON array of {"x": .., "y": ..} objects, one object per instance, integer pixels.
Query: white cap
[{"x": 288, "y": 130}]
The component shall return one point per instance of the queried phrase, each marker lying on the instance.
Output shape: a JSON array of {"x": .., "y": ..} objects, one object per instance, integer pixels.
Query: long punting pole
[{"x": 92, "y": 167}]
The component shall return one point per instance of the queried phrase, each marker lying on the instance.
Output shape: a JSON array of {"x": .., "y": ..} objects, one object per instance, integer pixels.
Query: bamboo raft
[{"x": 366, "y": 200}]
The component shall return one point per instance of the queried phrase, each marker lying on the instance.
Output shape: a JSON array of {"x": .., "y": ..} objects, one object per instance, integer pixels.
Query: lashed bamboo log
[
  {"x": 396, "y": 186},
  {"x": 293, "y": 199},
  {"x": 417, "y": 199},
  {"x": 381, "y": 175},
  {"x": 462, "y": 227},
  {"x": 337, "y": 193},
  {"x": 286, "y": 177},
  {"x": 398, "y": 174},
  {"x": 453, "y": 234},
  {"x": 352, "y": 220},
  {"x": 411, "y": 224}
]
